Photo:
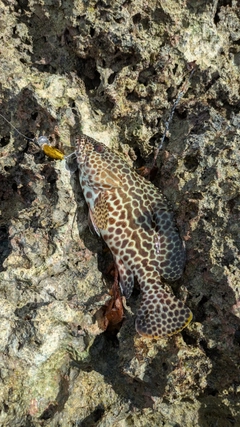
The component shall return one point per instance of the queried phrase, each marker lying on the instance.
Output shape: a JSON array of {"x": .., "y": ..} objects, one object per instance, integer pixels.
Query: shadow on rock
[
  {"x": 107, "y": 358},
  {"x": 92, "y": 419}
]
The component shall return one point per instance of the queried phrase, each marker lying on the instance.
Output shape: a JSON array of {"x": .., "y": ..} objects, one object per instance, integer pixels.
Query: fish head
[
  {"x": 88, "y": 150},
  {"x": 98, "y": 165}
]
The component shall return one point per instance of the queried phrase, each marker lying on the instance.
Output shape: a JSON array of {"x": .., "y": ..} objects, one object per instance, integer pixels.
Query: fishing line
[
  {"x": 42, "y": 142},
  {"x": 20, "y": 133}
]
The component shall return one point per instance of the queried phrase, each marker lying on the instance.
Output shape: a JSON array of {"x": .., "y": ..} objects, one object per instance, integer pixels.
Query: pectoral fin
[
  {"x": 99, "y": 216},
  {"x": 105, "y": 178}
]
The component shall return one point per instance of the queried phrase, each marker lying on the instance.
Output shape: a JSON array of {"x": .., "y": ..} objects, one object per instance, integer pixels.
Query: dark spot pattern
[{"x": 134, "y": 219}]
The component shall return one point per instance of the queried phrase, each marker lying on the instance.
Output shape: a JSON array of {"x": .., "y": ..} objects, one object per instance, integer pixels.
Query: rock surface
[{"x": 113, "y": 69}]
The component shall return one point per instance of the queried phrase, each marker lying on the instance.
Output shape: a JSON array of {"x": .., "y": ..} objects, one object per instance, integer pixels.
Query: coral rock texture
[{"x": 113, "y": 69}]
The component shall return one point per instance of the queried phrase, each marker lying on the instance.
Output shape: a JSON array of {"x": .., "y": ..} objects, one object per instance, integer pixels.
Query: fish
[{"x": 134, "y": 219}]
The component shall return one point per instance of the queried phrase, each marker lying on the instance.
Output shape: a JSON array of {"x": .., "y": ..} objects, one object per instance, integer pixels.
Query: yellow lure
[{"x": 52, "y": 152}]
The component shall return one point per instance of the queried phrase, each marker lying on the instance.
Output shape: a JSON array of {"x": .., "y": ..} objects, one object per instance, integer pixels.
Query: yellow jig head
[{"x": 52, "y": 152}]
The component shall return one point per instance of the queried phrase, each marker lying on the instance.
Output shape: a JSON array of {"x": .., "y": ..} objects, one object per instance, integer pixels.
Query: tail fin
[{"x": 161, "y": 314}]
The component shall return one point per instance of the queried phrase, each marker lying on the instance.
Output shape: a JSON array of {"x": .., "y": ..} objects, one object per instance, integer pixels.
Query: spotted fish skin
[{"x": 134, "y": 219}]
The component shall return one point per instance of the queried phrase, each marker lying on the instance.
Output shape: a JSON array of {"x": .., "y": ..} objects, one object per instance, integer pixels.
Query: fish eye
[{"x": 99, "y": 148}]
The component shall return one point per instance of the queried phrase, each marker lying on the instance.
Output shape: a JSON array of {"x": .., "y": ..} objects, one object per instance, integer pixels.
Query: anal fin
[
  {"x": 161, "y": 314},
  {"x": 91, "y": 223},
  {"x": 126, "y": 278}
]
